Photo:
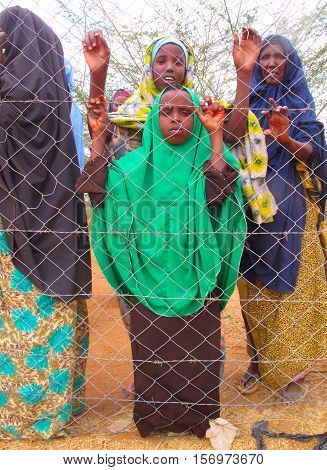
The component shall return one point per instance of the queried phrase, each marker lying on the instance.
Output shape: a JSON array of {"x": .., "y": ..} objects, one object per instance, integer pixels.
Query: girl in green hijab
[
  {"x": 167, "y": 60},
  {"x": 168, "y": 237}
]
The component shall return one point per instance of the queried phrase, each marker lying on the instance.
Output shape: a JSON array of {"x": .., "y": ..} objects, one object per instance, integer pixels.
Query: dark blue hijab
[{"x": 273, "y": 250}]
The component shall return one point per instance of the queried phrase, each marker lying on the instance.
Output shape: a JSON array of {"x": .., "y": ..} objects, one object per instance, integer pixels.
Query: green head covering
[{"x": 155, "y": 237}]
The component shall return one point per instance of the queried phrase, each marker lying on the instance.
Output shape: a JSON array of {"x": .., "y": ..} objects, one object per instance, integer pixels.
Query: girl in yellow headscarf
[{"x": 167, "y": 61}]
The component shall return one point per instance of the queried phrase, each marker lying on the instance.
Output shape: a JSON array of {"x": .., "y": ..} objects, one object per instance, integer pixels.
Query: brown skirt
[{"x": 176, "y": 369}]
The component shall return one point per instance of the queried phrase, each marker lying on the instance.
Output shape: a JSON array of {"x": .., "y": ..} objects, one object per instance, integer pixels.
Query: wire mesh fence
[{"x": 163, "y": 246}]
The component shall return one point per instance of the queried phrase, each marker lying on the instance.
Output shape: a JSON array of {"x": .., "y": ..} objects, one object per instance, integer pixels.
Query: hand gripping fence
[{"x": 208, "y": 262}]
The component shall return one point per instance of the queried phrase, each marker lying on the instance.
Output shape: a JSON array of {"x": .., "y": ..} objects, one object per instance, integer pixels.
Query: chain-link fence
[{"x": 163, "y": 247}]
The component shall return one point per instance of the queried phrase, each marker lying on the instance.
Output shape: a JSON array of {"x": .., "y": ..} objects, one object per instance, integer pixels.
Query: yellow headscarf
[
  {"x": 253, "y": 158},
  {"x": 134, "y": 112},
  {"x": 251, "y": 153}
]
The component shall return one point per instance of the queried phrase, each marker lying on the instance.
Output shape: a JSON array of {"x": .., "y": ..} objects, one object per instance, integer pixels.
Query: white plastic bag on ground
[{"x": 221, "y": 434}]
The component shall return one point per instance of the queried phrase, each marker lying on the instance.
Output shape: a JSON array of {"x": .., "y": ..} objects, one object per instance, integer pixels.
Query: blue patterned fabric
[{"x": 44, "y": 344}]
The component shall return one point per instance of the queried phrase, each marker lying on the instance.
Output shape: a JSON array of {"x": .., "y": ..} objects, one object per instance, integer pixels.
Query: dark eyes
[
  {"x": 166, "y": 111},
  {"x": 162, "y": 60},
  {"x": 276, "y": 56}
]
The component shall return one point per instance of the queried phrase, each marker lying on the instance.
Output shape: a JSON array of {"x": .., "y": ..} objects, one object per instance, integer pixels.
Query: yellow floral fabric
[
  {"x": 253, "y": 158},
  {"x": 289, "y": 330},
  {"x": 134, "y": 112},
  {"x": 314, "y": 188}
]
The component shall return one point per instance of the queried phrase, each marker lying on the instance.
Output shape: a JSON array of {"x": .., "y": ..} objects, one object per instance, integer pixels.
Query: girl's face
[
  {"x": 272, "y": 61},
  {"x": 176, "y": 116},
  {"x": 169, "y": 66}
]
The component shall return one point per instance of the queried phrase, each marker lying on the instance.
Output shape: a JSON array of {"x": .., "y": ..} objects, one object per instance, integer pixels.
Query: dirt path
[{"x": 107, "y": 422}]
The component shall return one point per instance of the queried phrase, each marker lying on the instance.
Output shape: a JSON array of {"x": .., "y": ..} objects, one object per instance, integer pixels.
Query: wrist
[
  {"x": 244, "y": 75},
  {"x": 284, "y": 140},
  {"x": 216, "y": 136},
  {"x": 218, "y": 162},
  {"x": 99, "y": 137},
  {"x": 99, "y": 70},
  {"x": 97, "y": 148},
  {"x": 217, "y": 149}
]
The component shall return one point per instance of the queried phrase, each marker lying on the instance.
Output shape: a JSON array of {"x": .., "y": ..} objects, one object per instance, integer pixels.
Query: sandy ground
[{"x": 107, "y": 422}]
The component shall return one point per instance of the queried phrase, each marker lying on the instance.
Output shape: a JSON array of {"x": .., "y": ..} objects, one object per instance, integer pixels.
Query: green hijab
[{"x": 155, "y": 237}]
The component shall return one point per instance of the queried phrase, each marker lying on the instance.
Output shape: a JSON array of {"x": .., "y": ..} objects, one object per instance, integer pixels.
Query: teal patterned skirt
[{"x": 43, "y": 349}]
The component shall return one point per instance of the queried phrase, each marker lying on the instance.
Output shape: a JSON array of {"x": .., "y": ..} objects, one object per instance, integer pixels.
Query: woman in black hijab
[{"x": 44, "y": 251}]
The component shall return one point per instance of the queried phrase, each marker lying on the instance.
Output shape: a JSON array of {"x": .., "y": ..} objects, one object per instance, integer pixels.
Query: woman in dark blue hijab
[{"x": 283, "y": 264}]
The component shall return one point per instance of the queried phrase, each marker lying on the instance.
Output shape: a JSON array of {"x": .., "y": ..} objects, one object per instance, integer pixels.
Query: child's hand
[
  {"x": 97, "y": 114},
  {"x": 212, "y": 115},
  {"x": 96, "y": 50},
  {"x": 278, "y": 121}
]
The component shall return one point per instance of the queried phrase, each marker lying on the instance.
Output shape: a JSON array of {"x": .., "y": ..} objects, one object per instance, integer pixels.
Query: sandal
[
  {"x": 286, "y": 396},
  {"x": 249, "y": 383}
]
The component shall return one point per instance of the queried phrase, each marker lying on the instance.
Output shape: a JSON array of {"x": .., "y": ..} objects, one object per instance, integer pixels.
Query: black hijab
[{"x": 44, "y": 219}]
